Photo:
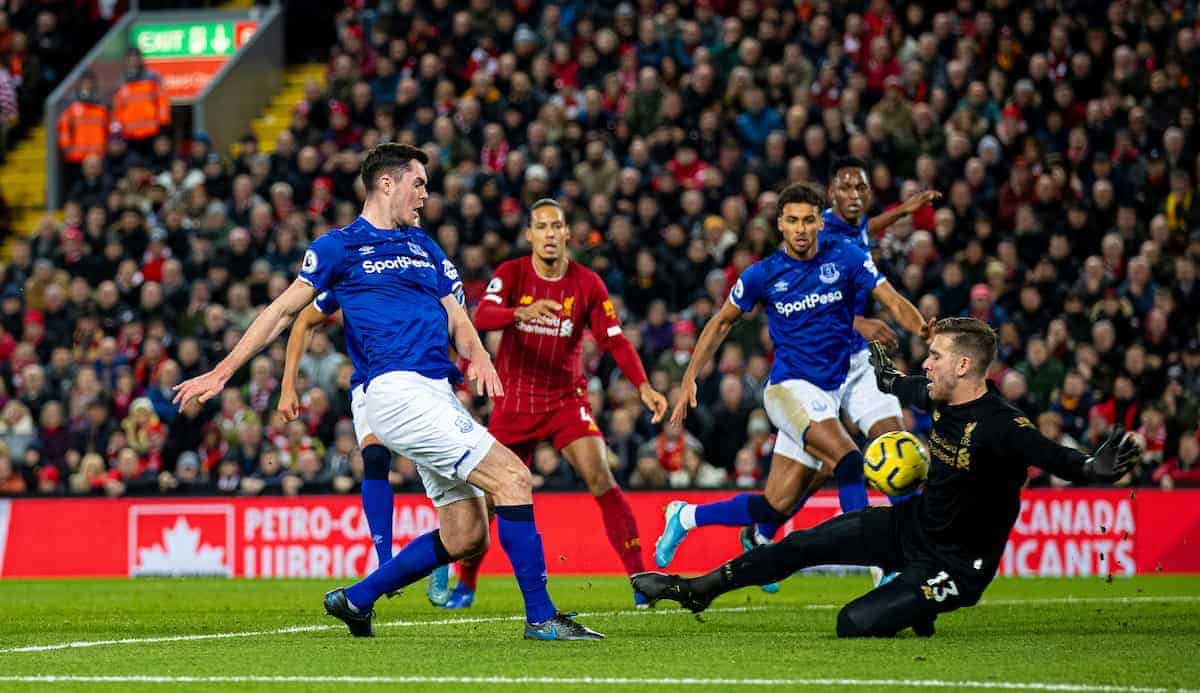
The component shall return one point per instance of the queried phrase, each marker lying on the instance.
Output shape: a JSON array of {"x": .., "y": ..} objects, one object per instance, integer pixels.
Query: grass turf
[{"x": 1130, "y": 632}]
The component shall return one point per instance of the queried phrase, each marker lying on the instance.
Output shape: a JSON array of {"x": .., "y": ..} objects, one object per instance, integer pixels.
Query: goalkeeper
[{"x": 946, "y": 543}]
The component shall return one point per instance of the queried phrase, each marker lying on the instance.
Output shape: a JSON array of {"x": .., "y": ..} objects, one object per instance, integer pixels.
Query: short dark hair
[
  {"x": 386, "y": 157},
  {"x": 544, "y": 202},
  {"x": 972, "y": 338},
  {"x": 800, "y": 193},
  {"x": 847, "y": 162}
]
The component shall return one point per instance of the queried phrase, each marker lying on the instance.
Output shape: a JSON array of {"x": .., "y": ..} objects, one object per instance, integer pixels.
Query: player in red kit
[{"x": 544, "y": 303}]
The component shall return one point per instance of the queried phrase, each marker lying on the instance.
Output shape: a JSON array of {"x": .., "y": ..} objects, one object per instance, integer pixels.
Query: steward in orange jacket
[
  {"x": 140, "y": 105},
  {"x": 83, "y": 127}
]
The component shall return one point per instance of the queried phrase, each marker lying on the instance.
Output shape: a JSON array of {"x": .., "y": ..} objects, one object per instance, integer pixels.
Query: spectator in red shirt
[{"x": 1184, "y": 468}]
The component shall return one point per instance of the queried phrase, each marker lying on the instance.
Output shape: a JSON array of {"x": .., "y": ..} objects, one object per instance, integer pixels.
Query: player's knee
[
  {"x": 855, "y": 622},
  {"x": 599, "y": 481},
  {"x": 847, "y": 626},
  {"x": 516, "y": 485}
]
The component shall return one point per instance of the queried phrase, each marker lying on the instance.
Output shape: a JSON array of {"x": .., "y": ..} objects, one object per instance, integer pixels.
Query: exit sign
[
  {"x": 188, "y": 55},
  {"x": 193, "y": 40}
]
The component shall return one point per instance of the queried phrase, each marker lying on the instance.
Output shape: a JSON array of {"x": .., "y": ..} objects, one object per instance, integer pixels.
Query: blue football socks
[
  {"x": 739, "y": 511},
  {"x": 415, "y": 561},
  {"x": 852, "y": 493},
  {"x": 523, "y": 544},
  {"x": 377, "y": 498}
]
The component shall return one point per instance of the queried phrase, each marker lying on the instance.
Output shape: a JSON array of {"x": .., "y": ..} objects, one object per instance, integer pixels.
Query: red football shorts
[{"x": 522, "y": 432}]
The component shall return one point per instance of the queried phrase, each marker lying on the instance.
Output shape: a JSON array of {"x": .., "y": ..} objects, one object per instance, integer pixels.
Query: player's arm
[
  {"x": 469, "y": 346},
  {"x": 462, "y": 332},
  {"x": 711, "y": 337},
  {"x": 306, "y": 322},
  {"x": 493, "y": 316},
  {"x": 910, "y": 390},
  {"x": 258, "y": 335},
  {"x": 606, "y": 326},
  {"x": 1021, "y": 440},
  {"x": 879, "y": 223},
  {"x": 495, "y": 311},
  {"x": 903, "y": 310}
]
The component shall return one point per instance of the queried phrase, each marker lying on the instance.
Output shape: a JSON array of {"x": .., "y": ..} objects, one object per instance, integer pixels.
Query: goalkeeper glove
[
  {"x": 885, "y": 371},
  {"x": 1113, "y": 458}
]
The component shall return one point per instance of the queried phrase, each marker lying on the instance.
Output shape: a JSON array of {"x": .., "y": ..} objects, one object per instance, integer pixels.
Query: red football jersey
[{"x": 539, "y": 362}]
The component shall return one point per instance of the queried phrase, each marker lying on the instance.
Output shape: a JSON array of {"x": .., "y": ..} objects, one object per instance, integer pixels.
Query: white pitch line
[
  {"x": 82, "y": 644},
  {"x": 600, "y": 681}
]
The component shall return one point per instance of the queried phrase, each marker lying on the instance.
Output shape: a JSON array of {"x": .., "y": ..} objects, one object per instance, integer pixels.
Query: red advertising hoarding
[{"x": 1058, "y": 533}]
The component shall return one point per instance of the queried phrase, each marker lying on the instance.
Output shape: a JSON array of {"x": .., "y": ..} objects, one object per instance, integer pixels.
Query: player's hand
[
  {"x": 1113, "y": 458},
  {"x": 288, "y": 407},
  {"x": 654, "y": 401},
  {"x": 487, "y": 381},
  {"x": 687, "y": 398},
  {"x": 919, "y": 200},
  {"x": 885, "y": 370},
  {"x": 876, "y": 331},
  {"x": 541, "y": 308},
  {"x": 203, "y": 388},
  {"x": 927, "y": 329}
]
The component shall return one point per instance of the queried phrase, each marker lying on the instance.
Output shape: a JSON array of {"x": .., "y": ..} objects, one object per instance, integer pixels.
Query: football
[{"x": 896, "y": 463}]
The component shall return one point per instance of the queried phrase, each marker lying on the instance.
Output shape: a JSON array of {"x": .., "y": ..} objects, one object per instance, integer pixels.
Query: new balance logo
[{"x": 809, "y": 301}]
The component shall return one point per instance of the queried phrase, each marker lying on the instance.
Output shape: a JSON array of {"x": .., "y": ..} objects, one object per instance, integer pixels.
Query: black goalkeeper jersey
[{"x": 979, "y": 455}]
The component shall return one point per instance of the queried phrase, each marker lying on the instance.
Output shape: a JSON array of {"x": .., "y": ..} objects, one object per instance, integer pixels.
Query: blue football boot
[{"x": 673, "y": 535}]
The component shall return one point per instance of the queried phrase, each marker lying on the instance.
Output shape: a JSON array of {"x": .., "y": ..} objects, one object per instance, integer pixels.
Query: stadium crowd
[
  {"x": 40, "y": 42},
  {"x": 1064, "y": 137}
]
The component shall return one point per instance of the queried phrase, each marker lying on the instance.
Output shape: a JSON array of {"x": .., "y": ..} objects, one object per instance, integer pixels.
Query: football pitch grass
[{"x": 212, "y": 634}]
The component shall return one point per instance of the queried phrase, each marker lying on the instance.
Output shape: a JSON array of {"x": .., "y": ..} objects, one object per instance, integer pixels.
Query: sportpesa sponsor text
[
  {"x": 810, "y": 301},
  {"x": 401, "y": 262}
]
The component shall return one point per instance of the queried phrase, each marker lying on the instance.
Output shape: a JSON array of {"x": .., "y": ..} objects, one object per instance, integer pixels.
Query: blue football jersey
[
  {"x": 859, "y": 236},
  {"x": 836, "y": 227},
  {"x": 389, "y": 284},
  {"x": 810, "y": 308},
  {"x": 327, "y": 303}
]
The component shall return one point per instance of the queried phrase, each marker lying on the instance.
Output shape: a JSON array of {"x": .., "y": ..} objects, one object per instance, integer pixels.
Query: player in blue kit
[
  {"x": 398, "y": 292},
  {"x": 872, "y": 412},
  {"x": 378, "y": 499},
  {"x": 809, "y": 290}
]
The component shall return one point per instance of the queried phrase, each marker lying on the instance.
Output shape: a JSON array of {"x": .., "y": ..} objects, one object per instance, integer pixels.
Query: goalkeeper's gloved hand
[
  {"x": 1113, "y": 458},
  {"x": 885, "y": 371}
]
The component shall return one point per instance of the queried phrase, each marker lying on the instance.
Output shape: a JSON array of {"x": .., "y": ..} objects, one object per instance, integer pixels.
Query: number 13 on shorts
[{"x": 939, "y": 587}]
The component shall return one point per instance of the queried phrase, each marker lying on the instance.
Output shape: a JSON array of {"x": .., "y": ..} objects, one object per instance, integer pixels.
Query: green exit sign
[{"x": 196, "y": 40}]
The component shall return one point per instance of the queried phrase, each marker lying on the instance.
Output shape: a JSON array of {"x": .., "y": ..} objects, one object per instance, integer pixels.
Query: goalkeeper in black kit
[{"x": 946, "y": 542}]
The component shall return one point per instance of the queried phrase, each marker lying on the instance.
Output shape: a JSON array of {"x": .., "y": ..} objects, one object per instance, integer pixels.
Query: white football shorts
[{"x": 421, "y": 419}]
